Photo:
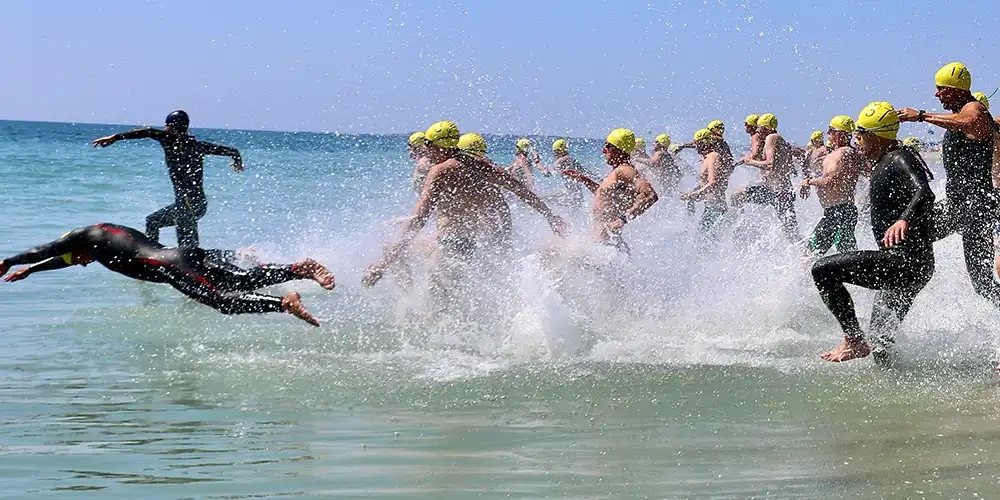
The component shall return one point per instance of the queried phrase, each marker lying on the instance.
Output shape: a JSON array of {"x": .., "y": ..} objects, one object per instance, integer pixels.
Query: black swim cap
[{"x": 178, "y": 119}]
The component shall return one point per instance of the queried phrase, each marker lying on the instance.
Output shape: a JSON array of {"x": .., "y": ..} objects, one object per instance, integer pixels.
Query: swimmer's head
[
  {"x": 751, "y": 124},
  {"x": 703, "y": 140},
  {"x": 619, "y": 146},
  {"x": 640, "y": 144},
  {"x": 473, "y": 144},
  {"x": 523, "y": 145},
  {"x": 954, "y": 75},
  {"x": 177, "y": 121},
  {"x": 560, "y": 146},
  {"x": 840, "y": 131},
  {"x": 663, "y": 141},
  {"x": 717, "y": 127},
  {"x": 876, "y": 127},
  {"x": 953, "y": 83},
  {"x": 768, "y": 121},
  {"x": 912, "y": 142},
  {"x": 443, "y": 134},
  {"x": 816, "y": 138},
  {"x": 981, "y": 97},
  {"x": 76, "y": 258},
  {"x": 416, "y": 140}
]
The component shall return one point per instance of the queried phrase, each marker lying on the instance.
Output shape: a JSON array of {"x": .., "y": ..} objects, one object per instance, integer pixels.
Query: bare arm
[
  {"x": 828, "y": 175},
  {"x": 498, "y": 176},
  {"x": 421, "y": 213},
  {"x": 973, "y": 120},
  {"x": 713, "y": 179}
]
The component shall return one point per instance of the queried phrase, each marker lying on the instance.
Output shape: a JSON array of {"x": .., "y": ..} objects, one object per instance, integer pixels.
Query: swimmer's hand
[
  {"x": 896, "y": 234},
  {"x": 614, "y": 227},
  {"x": 237, "y": 164},
  {"x": 907, "y": 114},
  {"x": 373, "y": 274},
  {"x": 18, "y": 275},
  {"x": 3, "y": 268},
  {"x": 104, "y": 142},
  {"x": 292, "y": 303}
]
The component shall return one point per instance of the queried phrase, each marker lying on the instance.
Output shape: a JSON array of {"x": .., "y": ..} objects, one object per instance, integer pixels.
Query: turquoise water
[{"x": 691, "y": 372}]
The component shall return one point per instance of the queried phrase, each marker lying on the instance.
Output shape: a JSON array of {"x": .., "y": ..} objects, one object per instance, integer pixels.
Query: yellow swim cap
[
  {"x": 717, "y": 126},
  {"x": 954, "y": 75},
  {"x": 663, "y": 140},
  {"x": 817, "y": 135},
  {"x": 67, "y": 258},
  {"x": 640, "y": 143},
  {"x": 751, "y": 120},
  {"x": 623, "y": 139},
  {"x": 842, "y": 123},
  {"x": 768, "y": 121},
  {"x": 416, "y": 139},
  {"x": 912, "y": 142},
  {"x": 443, "y": 134},
  {"x": 879, "y": 118},
  {"x": 702, "y": 135},
  {"x": 472, "y": 143},
  {"x": 523, "y": 144},
  {"x": 560, "y": 146},
  {"x": 981, "y": 97}
]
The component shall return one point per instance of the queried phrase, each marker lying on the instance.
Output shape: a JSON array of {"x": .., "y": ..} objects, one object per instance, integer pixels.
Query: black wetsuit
[
  {"x": 185, "y": 158},
  {"x": 899, "y": 190},
  {"x": 192, "y": 271},
  {"x": 970, "y": 207}
]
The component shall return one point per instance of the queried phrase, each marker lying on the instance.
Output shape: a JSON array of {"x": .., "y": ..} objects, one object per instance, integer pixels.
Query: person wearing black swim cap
[{"x": 185, "y": 158}]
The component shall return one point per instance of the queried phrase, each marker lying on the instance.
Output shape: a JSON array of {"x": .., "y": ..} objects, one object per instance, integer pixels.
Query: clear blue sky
[{"x": 577, "y": 68}]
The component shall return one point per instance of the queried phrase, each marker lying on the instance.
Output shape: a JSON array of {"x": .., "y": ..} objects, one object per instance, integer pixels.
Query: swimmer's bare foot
[
  {"x": 315, "y": 271},
  {"x": 292, "y": 303},
  {"x": 847, "y": 350}
]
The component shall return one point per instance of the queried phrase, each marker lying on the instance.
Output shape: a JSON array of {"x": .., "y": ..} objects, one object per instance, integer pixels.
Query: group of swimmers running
[{"x": 458, "y": 183}]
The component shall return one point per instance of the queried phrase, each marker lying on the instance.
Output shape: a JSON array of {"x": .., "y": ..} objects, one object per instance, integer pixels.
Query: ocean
[{"x": 690, "y": 371}]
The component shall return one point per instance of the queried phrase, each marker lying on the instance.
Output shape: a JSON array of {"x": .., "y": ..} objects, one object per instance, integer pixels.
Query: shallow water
[{"x": 689, "y": 372}]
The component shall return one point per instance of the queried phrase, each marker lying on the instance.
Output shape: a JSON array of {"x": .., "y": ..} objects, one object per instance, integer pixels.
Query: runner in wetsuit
[
  {"x": 902, "y": 202},
  {"x": 185, "y": 158},
  {"x": 971, "y": 204},
  {"x": 219, "y": 285}
]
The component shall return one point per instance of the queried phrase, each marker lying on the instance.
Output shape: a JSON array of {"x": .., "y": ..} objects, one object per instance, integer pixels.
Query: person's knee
[{"x": 823, "y": 276}]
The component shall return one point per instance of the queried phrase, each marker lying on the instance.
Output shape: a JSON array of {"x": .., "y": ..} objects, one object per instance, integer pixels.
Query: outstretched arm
[
  {"x": 214, "y": 149},
  {"x": 417, "y": 221},
  {"x": 503, "y": 179},
  {"x": 139, "y": 133},
  {"x": 45, "y": 265}
]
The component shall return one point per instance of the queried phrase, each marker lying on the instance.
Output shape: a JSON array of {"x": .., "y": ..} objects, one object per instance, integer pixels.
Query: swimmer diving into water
[{"x": 222, "y": 286}]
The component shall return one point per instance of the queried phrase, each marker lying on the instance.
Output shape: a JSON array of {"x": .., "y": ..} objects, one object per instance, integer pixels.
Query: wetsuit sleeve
[
  {"x": 142, "y": 133},
  {"x": 923, "y": 198},
  {"x": 73, "y": 241},
  {"x": 214, "y": 149}
]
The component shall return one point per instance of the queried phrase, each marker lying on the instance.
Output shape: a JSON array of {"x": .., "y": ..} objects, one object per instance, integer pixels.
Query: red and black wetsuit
[
  {"x": 185, "y": 157},
  {"x": 127, "y": 251}
]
